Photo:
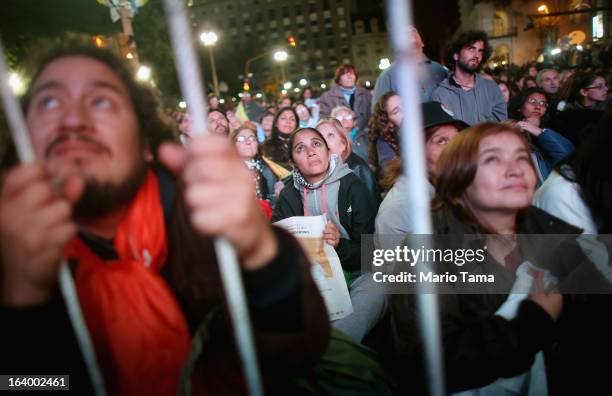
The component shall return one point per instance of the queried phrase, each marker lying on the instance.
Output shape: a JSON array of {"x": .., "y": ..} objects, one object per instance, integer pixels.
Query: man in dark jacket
[{"x": 139, "y": 243}]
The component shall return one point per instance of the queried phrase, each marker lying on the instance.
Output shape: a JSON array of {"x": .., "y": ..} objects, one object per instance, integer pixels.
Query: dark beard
[
  {"x": 101, "y": 199},
  {"x": 467, "y": 69}
]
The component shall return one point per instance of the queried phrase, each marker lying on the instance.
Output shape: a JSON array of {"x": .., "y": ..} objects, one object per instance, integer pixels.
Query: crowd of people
[{"x": 132, "y": 199}]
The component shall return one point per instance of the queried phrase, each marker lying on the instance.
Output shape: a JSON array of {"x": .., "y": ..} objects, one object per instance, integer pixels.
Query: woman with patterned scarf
[
  {"x": 267, "y": 184},
  {"x": 323, "y": 184}
]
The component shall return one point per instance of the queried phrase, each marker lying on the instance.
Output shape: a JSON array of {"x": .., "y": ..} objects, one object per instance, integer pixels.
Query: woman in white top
[{"x": 580, "y": 190}]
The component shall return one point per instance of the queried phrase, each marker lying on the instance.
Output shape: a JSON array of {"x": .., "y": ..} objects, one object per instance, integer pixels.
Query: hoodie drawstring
[{"x": 324, "y": 206}]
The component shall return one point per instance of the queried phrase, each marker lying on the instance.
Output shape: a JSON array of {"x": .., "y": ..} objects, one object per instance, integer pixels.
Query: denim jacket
[{"x": 552, "y": 147}]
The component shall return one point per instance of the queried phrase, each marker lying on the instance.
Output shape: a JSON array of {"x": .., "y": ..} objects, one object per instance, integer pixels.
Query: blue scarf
[{"x": 347, "y": 92}]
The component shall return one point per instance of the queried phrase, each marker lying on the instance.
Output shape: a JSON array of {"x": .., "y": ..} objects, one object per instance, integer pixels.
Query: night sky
[
  {"x": 436, "y": 20},
  {"x": 24, "y": 22}
]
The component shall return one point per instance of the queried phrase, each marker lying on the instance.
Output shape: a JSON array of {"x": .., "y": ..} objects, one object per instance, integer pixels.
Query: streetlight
[
  {"x": 143, "y": 73},
  {"x": 303, "y": 82},
  {"x": 288, "y": 85},
  {"x": 17, "y": 84},
  {"x": 281, "y": 56},
  {"x": 209, "y": 39},
  {"x": 384, "y": 63}
]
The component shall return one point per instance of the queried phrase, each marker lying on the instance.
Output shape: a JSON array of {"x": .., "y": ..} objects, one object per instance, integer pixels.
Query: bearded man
[
  {"x": 135, "y": 217},
  {"x": 465, "y": 94}
]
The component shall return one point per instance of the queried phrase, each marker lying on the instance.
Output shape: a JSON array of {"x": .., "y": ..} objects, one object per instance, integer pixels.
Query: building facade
[
  {"x": 524, "y": 31},
  {"x": 251, "y": 28},
  {"x": 370, "y": 45}
]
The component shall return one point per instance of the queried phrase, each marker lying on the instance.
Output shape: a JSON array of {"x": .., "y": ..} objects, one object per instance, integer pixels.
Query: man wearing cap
[
  {"x": 440, "y": 127},
  {"x": 430, "y": 73}
]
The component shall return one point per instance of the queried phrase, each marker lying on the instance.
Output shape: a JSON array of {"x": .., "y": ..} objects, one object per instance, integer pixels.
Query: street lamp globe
[
  {"x": 143, "y": 73},
  {"x": 303, "y": 82},
  {"x": 16, "y": 83},
  {"x": 208, "y": 38},
  {"x": 280, "y": 56},
  {"x": 384, "y": 64},
  {"x": 288, "y": 85}
]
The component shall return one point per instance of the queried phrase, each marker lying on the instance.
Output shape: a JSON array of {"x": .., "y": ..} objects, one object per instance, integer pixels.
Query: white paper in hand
[{"x": 326, "y": 268}]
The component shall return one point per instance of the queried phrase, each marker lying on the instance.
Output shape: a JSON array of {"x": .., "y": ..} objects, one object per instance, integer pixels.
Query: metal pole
[
  {"x": 413, "y": 155},
  {"x": 126, "y": 24},
  {"x": 191, "y": 85},
  {"x": 213, "y": 68},
  {"x": 282, "y": 65},
  {"x": 25, "y": 151}
]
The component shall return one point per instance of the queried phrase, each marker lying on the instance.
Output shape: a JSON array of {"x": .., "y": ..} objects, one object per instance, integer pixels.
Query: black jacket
[
  {"x": 357, "y": 215},
  {"x": 288, "y": 314},
  {"x": 479, "y": 346},
  {"x": 361, "y": 168}
]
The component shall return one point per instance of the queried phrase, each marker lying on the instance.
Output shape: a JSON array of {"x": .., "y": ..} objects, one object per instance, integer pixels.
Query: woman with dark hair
[
  {"x": 276, "y": 147},
  {"x": 339, "y": 144},
  {"x": 307, "y": 120},
  {"x": 528, "y": 110},
  {"x": 347, "y": 93},
  {"x": 579, "y": 190},
  {"x": 384, "y": 128},
  {"x": 584, "y": 91},
  {"x": 323, "y": 184},
  {"x": 508, "y": 90},
  {"x": 527, "y": 82},
  {"x": 310, "y": 101},
  {"x": 265, "y": 121},
  {"x": 492, "y": 340}
]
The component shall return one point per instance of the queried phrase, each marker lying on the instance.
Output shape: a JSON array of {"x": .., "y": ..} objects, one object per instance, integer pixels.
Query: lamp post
[
  {"x": 209, "y": 39},
  {"x": 281, "y": 56}
]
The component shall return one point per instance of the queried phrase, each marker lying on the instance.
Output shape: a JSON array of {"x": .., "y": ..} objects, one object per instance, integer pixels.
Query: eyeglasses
[
  {"x": 540, "y": 103},
  {"x": 242, "y": 139},
  {"x": 600, "y": 87},
  {"x": 346, "y": 117}
]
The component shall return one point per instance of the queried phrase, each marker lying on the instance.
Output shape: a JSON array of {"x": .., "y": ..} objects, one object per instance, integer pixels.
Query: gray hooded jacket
[
  {"x": 482, "y": 103},
  {"x": 314, "y": 192}
]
